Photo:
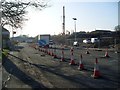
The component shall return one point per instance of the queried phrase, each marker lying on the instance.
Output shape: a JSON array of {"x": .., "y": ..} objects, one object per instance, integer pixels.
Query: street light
[{"x": 75, "y": 26}]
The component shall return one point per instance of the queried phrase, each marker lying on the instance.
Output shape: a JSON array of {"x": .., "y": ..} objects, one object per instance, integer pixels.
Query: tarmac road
[{"x": 43, "y": 71}]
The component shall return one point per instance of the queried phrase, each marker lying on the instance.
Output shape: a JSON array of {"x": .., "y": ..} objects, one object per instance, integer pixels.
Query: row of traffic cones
[
  {"x": 106, "y": 53},
  {"x": 51, "y": 52},
  {"x": 96, "y": 72}
]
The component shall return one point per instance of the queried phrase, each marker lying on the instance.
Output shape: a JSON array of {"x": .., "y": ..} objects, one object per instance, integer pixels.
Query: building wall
[{"x": 5, "y": 38}]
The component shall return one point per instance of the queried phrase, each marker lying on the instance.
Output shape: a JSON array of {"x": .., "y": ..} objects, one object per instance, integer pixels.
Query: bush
[
  {"x": 118, "y": 47},
  {"x": 5, "y": 52}
]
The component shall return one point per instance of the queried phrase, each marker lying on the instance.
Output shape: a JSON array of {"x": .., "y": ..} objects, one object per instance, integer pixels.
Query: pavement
[{"x": 27, "y": 67}]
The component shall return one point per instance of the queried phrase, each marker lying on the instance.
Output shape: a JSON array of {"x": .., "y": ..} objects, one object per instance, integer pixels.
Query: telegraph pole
[{"x": 63, "y": 20}]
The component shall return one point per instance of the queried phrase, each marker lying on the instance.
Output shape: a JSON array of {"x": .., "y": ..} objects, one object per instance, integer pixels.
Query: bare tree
[
  {"x": 117, "y": 28},
  {"x": 14, "y": 11}
]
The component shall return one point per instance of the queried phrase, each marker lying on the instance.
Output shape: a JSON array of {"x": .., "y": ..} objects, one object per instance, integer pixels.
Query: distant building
[
  {"x": 23, "y": 38},
  {"x": 5, "y": 38},
  {"x": 103, "y": 31}
]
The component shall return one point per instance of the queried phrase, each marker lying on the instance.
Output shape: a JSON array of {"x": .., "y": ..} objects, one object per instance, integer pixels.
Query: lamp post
[
  {"x": 75, "y": 26},
  {"x": 115, "y": 41}
]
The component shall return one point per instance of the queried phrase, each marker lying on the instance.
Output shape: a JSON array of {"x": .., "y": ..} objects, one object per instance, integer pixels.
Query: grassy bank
[{"x": 5, "y": 52}]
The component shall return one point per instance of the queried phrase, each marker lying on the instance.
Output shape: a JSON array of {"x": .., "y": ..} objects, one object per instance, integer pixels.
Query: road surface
[{"x": 30, "y": 68}]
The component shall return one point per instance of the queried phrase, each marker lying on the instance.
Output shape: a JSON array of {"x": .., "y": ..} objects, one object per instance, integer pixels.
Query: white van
[
  {"x": 87, "y": 41},
  {"x": 94, "y": 40},
  {"x": 75, "y": 43}
]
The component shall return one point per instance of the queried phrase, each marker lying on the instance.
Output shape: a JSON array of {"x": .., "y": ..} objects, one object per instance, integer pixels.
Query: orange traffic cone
[
  {"x": 96, "y": 73},
  {"x": 45, "y": 49},
  {"x": 72, "y": 62},
  {"x": 87, "y": 52},
  {"x": 41, "y": 49},
  {"x": 81, "y": 66},
  {"x": 62, "y": 56},
  {"x": 106, "y": 53},
  {"x": 48, "y": 52},
  {"x": 38, "y": 49},
  {"x": 52, "y": 54},
  {"x": 55, "y": 56}
]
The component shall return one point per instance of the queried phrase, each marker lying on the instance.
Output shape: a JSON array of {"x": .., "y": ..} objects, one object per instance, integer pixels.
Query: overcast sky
[{"x": 90, "y": 16}]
